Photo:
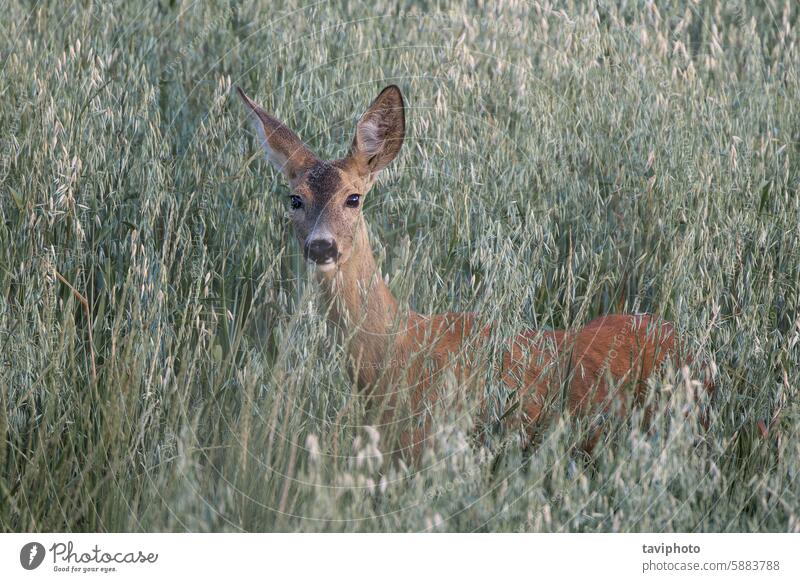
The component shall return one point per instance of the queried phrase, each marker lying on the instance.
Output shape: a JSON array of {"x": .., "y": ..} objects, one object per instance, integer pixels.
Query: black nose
[{"x": 321, "y": 250}]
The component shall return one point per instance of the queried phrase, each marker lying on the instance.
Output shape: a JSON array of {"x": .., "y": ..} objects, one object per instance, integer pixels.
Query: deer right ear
[
  {"x": 287, "y": 153},
  {"x": 380, "y": 132}
]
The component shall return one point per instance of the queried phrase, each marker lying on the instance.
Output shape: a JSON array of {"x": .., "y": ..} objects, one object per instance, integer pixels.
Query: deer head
[{"x": 326, "y": 196}]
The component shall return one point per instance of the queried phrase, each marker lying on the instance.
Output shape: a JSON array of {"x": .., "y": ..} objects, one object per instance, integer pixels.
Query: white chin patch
[{"x": 325, "y": 267}]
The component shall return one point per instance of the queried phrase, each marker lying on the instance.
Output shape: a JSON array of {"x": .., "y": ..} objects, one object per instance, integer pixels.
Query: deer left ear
[
  {"x": 380, "y": 132},
  {"x": 287, "y": 153}
]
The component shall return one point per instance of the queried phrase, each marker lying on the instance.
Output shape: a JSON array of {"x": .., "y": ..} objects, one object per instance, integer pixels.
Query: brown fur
[
  {"x": 388, "y": 351},
  {"x": 392, "y": 350}
]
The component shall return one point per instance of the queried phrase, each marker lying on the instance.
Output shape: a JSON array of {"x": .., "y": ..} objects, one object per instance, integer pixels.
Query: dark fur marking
[{"x": 323, "y": 180}]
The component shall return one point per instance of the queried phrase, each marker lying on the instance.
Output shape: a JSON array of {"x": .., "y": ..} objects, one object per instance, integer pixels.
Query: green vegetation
[{"x": 562, "y": 162}]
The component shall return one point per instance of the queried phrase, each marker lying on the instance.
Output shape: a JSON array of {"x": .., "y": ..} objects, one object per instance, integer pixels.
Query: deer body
[{"x": 392, "y": 349}]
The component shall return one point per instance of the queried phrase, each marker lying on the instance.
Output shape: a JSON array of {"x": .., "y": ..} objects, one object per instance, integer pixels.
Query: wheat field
[{"x": 164, "y": 362}]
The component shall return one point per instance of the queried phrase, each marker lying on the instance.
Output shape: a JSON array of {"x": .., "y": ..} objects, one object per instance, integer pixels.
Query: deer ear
[
  {"x": 380, "y": 132},
  {"x": 287, "y": 153}
]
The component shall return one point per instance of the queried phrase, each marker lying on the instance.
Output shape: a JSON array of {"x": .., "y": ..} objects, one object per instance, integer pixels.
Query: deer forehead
[{"x": 324, "y": 180}]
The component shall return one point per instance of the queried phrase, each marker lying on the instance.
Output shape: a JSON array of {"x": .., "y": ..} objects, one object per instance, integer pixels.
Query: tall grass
[{"x": 165, "y": 365}]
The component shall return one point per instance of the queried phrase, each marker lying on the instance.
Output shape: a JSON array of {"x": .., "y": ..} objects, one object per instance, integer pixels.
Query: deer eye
[
  {"x": 295, "y": 202},
  {"x": 353, "y": 201}
]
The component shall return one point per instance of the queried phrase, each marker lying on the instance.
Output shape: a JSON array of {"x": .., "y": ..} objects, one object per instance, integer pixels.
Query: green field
[{"x": 165, "y": 365}]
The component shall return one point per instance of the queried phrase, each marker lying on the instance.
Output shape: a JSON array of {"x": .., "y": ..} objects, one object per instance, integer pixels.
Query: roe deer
[{"x": 590, "y": 365}]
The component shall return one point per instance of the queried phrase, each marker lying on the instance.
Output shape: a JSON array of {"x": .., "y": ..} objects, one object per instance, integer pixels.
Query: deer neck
[{"x": 361, "y": 305}]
